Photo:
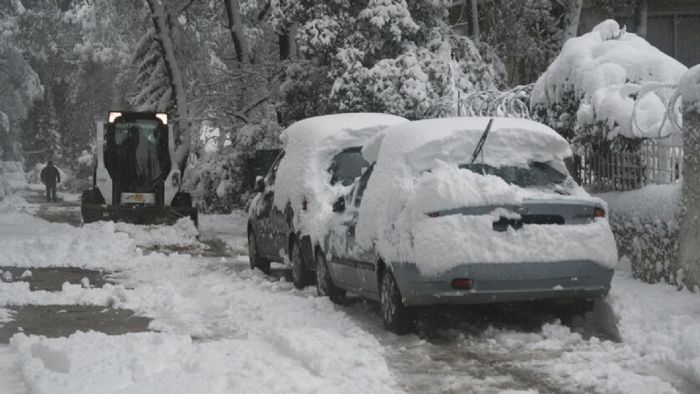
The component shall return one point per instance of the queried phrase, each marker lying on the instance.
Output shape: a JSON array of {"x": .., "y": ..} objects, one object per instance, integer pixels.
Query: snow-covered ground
[{"x": 220, "y": 327}]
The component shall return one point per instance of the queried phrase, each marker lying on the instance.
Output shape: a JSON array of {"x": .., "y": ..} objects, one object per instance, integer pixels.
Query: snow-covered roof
[
  {"x": 510, "y": 141},
  {"x": 607, "y": 68}
]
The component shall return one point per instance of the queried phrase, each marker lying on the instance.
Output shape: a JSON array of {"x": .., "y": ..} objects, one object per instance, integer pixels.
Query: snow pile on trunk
[
  {"x": 606, "y": 70},
  {"x": 689, "y": 88},
  {"x": 309, "y": 147},
  {"x": 417, "y": 172},
  {"x": 12, "y": 177}
]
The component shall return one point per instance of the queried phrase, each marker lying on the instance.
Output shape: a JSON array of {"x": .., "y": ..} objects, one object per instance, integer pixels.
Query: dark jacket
[{"x": 50, "y": 175}]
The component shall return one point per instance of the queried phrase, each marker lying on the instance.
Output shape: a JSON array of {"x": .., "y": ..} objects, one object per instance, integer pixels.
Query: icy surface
[
  {"x": 417, "y": 165},
  {"x": 310, "y": 145},
  {"x": 606, "y": 68}
]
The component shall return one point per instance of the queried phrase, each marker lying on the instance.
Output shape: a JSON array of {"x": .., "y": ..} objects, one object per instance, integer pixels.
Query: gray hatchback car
[{"x": 465, "y": 211}]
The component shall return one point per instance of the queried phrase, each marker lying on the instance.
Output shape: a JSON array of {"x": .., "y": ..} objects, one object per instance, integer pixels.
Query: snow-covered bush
[
  {"x": 591, "y": 87},
  {"x": 645, "y": 224},
  {"x": 218, "y": 182}
]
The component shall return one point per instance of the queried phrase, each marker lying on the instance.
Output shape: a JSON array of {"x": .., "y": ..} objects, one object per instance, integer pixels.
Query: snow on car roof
[
  {"x": 309, "y": 147},
  {"x": 510, "y": 141},
  {"x": 338, "y": 126}
]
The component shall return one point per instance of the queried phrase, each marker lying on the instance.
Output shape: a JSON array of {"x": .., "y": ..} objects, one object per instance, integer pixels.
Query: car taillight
[
  {"x": 305, "y": 204},
  {"x": 462, "y": 283},
  {"x": 599, "y": 213}
]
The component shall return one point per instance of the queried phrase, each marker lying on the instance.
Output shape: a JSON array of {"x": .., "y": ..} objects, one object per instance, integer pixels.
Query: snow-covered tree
[{"x": 378, "y": 55}]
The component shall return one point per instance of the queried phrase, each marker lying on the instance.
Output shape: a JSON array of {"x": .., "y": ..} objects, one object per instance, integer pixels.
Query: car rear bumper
[
  {"x": 504, "y": 282},
  {"x": 137, "y": 214}
]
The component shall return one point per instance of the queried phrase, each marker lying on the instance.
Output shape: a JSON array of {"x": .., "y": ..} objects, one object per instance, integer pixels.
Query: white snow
[
  {"x": 652, "y": 202},
  {"x": 309, "y": 147},
  {"x": 606, "y": 68},
  {"x": 689, "y": 88},
  {"x": 222, "y": 327},
  {"x": 417, "y": 165}
]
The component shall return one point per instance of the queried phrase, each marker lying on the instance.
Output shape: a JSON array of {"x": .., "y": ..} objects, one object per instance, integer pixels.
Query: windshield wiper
[{"x": 482, "y": 140}]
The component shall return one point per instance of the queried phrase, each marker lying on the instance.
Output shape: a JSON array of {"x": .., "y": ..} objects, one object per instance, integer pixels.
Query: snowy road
[{"x": 217, "y": 326}]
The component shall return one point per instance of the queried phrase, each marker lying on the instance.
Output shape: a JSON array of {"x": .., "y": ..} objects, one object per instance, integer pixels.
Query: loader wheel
[{"x": 255, "y": 260}]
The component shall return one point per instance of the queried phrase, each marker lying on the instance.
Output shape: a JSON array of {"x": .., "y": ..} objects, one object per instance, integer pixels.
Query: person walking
[{"x": 50, "y": 177}]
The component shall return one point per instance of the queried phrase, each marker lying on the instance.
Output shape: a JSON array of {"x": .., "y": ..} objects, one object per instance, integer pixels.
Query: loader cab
[{"x": 136, "y": 156}]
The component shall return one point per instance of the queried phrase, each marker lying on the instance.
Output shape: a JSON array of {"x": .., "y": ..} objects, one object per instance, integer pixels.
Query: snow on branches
[{"x": 599, "y": 78}]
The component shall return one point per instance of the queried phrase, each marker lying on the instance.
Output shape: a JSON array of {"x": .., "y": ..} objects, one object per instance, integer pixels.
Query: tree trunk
[
  {"x": 640, "y": 18},
  {"x": 690, "y": 208},
  {"x": 475, "y": 21},
  {"x": 572, "y": 14},
  {"x": 287, "y": 44},
  {"x": 235, "y": 26},
  {"x": 163, "y": 27}
]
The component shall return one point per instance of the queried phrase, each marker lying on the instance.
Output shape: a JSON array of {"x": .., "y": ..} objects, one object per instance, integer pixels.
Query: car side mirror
[
  {"x": 259, "y": 184},
  {"x": 339, "y": 206}
]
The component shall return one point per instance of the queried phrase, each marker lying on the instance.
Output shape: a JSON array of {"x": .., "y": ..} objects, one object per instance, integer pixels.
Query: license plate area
[{"x": 138, "y": 198}]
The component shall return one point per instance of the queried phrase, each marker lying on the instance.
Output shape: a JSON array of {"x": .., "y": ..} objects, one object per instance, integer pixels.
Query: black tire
[
  {"x": 255, "y": 260},
  {"x": 397, "y": 318},
  {"x": 324, "y": 282},
  {"x": 301, "y": 276}
]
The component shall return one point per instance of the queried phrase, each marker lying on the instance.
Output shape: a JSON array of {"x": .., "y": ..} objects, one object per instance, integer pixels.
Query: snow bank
[
  {"x": 645, "y": 224},
  {"x": 182, "y": 234},
  {"x": 605, "y": 70},
  {"x": 417, "y": 165},
  {"x": 161, "y": 363},
  {"x": 223, "y": 327},
  {"x": 12, "y": 177},
  {"x": 309, "y": 147}
]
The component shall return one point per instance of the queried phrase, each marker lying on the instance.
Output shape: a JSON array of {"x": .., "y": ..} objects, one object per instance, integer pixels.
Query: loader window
[{"x": 140, "y": 156}]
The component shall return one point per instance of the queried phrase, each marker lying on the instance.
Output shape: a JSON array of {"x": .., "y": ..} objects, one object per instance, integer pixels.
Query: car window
[
  {"x": 362, "y": 185},
  {"x": 270, "y": 179},
  {"x": 347, "y": 166},
  {"x": 536, "y": 174}
]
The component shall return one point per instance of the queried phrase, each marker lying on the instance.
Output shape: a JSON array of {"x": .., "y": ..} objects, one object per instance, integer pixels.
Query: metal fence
[{"x": 656, "y": 162}]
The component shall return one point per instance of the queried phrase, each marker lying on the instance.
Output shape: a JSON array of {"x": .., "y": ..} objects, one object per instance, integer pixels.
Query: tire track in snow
[{"x": 455, "y": 363}]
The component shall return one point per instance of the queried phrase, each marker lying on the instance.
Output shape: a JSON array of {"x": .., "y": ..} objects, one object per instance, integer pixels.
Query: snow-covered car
[
  {"x": 320, "y": 160},
  {"x": 432, "y": 222}
]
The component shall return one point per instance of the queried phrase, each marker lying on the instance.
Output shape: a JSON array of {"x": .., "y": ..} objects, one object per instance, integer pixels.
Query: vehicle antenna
[{"x": 480, "y": 144}]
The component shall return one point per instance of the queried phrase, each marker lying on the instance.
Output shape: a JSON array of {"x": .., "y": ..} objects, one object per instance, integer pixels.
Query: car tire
[
  {"x": 397, "y": 317},
  {"x": 300, "y": 275},
  {"x": 255, "y": 260},
  {"x": 324, "y": 281}
]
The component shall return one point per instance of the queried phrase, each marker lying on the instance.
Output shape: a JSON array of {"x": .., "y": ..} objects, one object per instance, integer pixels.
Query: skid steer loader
[{"x": 136, "y": 178}]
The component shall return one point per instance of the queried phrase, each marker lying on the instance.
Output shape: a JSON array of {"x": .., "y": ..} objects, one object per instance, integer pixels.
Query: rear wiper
[{"x": 480, "y": 144}]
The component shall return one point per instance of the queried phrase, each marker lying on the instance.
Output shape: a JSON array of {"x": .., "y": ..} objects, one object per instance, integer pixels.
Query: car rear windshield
[
  {"x": 347, "y": 166},
  {"x": 534, "y": 175}
]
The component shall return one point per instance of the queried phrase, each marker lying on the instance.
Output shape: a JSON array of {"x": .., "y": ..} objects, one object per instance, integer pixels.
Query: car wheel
[
  {"x": 324, "y": 282},
  {"x": 300, "y": 275},
  {"x": 398, "y": 318},
  {"x": 255, "y": 260}
]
